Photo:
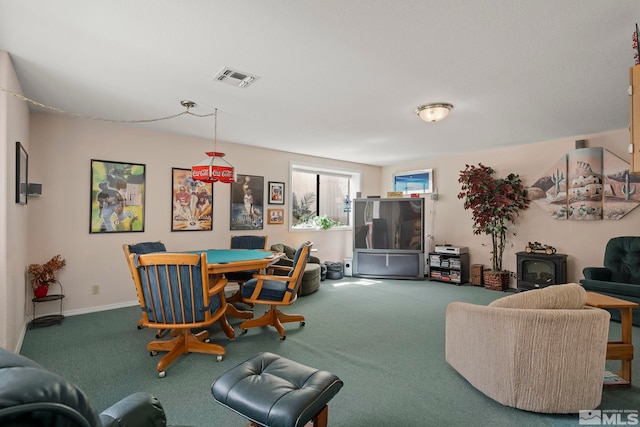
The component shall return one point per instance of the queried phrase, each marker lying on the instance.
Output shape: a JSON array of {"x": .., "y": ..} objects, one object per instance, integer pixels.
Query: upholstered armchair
[
  {"x": 312, "y": 271},
  {"x": 542, "y": 350},
  {"x": 620, "y": 276},
  {"x": 31, "y": 396}
]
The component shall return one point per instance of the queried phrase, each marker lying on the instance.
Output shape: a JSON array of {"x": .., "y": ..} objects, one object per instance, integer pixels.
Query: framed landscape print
[
  {"x": 191, "y": 202},
  {"x": 247, "y": 203},
  {"x": 414, "y": 182},
  {"x": 276, "y": 193},
  {"x": 275, "y": 216},
  {"x": 117, "y": 197}
]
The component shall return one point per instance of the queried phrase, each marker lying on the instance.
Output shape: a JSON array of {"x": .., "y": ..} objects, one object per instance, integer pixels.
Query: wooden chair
[
  {"x": 240, "y": 277},
  {"x": 275, "y": 291},
  {"x": 142, "y": 248},
  {"x": 174, "y": 293}
]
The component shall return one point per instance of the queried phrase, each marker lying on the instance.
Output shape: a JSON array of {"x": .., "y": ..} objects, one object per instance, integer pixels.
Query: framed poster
[
  {"x": 414, "y": 182},
  {"x": 275, "y": 216},
  {"x": 247, "y": 202},
  {"x": 22, "y": 174},
  {"x": 191, "y": 201},
  {"x": 117, "y": 197},
  {"x": 276, "y": 193}
]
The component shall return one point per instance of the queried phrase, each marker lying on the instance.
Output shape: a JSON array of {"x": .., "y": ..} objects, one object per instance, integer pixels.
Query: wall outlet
[{"x": 95, "y": 289}]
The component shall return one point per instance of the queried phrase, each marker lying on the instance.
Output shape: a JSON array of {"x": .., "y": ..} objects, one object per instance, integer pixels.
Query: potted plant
[
  {"x": 42, "y": 275},
  {"x": 494, "y": 202}
]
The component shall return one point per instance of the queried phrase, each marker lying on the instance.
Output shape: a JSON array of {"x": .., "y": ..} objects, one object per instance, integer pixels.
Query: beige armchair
[{"x": 540, "y": 350}]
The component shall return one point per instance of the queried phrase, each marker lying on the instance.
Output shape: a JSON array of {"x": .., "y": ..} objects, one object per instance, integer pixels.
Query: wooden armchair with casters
[
  {"x": 142, "y": 248},
  {"x": 276, "y": 290},
  {"x": 174, "y": 294}
]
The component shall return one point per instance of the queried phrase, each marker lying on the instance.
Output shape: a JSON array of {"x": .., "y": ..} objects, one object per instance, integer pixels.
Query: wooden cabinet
[
  {"x": 449, "y": 267},
  {"x": 634, "y": 118}
]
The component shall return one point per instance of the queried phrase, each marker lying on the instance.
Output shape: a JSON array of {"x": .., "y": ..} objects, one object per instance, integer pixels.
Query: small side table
[
  {"x": 51, "y": 319},
  {"x": 618, "y": 350}
]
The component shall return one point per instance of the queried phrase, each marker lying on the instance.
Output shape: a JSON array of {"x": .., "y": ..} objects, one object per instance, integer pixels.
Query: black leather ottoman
[{"x": 273, "y": 391}]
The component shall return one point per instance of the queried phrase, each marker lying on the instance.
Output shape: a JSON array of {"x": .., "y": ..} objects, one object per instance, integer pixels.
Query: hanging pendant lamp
[{"x": 213, "y": 168}]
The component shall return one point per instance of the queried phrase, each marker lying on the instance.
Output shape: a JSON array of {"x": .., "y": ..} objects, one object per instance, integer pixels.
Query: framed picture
[
  {"x": 276, "y": 193},
  {"x": 247, "y": 203},
  {"x": 191, "y": 202},
  {"x": 22, "y": 174},
  {"x": 275, "y": 216},
  {"x": 414, "y": 182},
  {"x": 117, "y": 197}
]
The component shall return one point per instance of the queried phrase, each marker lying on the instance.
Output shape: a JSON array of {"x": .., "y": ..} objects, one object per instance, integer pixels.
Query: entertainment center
[{"x": 388, "y": 238}]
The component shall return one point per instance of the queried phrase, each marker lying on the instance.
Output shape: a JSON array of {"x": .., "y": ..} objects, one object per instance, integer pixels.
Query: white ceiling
[{"x": 338, "y": 78}]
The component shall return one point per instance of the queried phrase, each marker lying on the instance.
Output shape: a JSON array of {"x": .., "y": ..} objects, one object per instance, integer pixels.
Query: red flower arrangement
[{"x": 44, "y": 274}]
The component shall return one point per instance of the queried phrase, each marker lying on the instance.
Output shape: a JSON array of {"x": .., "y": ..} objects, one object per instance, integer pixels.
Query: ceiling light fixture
[
  {"x": 213, "y": 168},
  {"x": 433, "y": 112}
]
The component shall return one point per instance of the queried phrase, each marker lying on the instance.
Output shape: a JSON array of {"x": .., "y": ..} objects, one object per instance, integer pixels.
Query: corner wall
[{"x": 14, "y": 126}]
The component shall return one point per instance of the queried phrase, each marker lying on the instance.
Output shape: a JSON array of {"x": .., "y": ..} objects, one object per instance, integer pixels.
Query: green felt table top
[{"x": 223, "y": 256}]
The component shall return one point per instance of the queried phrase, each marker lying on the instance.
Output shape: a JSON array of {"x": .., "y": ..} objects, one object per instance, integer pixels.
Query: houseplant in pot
[
  {"x": 42, "y": 275},
  {"x": 494, "y": 203}
]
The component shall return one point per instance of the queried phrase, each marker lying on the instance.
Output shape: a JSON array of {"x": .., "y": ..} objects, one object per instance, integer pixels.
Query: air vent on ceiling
[{"x": 235, "y": 78}]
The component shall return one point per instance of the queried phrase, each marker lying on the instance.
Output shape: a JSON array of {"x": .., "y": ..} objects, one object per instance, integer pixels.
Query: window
[{"x": 321, "y": 192}]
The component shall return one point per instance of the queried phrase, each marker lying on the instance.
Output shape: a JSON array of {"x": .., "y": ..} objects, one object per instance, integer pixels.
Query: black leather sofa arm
[{"x": 138, "y": 409}]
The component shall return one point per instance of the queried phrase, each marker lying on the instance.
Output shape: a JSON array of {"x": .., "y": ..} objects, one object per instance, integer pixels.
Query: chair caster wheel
[
  {"x": 153, "y": 353},
  {"x": 302, "y": 324},
  {"x": 162, "y": 374},
  {"x": 283, "y": 338},
  {"x": 158, "y": 336},
  {"x": 243, "y": 331},
  {"x": 139, "y": 327},
  {"x": 207, "y": 340},
  {"x": 219, "y": 358}
]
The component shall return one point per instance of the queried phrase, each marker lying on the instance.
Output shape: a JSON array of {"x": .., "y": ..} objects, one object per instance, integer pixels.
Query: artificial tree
[{"x": 494, "y": 202}]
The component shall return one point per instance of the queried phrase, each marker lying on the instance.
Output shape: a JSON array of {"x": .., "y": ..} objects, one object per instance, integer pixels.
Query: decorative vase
[
  {"x": 496, "y": 281},
  {"x": 41, "y": 291}
]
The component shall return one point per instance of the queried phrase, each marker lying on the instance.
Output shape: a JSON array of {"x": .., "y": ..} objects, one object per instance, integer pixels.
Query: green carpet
[{"x": 383, "y": 338}]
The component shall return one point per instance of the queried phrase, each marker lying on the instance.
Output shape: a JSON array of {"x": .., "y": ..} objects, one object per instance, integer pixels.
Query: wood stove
[{"x": 537, "y": 270}]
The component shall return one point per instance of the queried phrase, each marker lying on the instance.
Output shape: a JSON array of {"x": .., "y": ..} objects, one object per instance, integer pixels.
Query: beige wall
[
  {"x": 14, "y": 126},
  {"x": 582, "y": 241},
  {"x": 61, "y": 150}
]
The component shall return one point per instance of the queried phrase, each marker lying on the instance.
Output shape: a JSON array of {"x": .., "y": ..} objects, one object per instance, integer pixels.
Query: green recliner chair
[
  {"x": 312, "y": 271},
  {"x": 620, "y": 276}
]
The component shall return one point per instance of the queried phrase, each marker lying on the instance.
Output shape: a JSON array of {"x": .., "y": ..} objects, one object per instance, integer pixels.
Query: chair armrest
[
  {"x": 138, "y": 409},
  {"x": 272, "y": 277},
  {"x": 218, "y": 287},
  {"x": 597, "y": 273}
]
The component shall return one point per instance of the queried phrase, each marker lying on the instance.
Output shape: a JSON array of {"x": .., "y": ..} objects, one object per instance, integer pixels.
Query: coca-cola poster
[
  {"x": 191, "y": 202},
  {"x": 247, "y": 203}
]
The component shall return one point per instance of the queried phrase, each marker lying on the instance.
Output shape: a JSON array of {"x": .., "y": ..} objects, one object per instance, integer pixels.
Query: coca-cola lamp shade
[{"x": 213, "y": 169}]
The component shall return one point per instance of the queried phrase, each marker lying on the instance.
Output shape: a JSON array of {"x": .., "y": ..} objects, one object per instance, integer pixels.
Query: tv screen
[{"x": 388, "y": 223}]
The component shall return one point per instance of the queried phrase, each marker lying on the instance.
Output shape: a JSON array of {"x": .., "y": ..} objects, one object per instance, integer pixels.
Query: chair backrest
[
  {"x": 297, "y": 271},
  {"x": 173, "y": 289},
  {"x": 622, "y": 257},
  {"x": 249, "y": 242},
  {"x": 141, "y": 248}
]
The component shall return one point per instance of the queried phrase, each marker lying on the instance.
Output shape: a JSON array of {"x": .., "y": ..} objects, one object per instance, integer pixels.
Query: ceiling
[{"x": 337, "y": 78}]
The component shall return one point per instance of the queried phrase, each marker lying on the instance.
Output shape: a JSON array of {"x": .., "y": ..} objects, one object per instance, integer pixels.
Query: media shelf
[{"x": 449, "y": 268}]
